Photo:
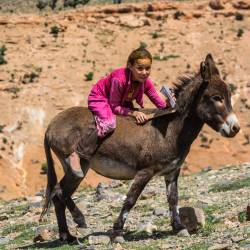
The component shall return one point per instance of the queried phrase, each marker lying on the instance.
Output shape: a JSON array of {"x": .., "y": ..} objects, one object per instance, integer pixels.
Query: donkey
[{"x": 157, "y": 148}]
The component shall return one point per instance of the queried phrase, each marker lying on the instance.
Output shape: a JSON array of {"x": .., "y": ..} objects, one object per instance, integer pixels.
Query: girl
[{"x": 113, "y": 95}]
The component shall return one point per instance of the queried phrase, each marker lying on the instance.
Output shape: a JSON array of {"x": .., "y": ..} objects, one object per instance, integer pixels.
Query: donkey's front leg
[
  {"x": 172, "y": 196},
  {"x": 141, "y": 179}
]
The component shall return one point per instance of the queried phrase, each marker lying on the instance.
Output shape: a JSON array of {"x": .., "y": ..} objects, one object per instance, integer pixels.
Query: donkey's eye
[{"x": 217, "y": 98}]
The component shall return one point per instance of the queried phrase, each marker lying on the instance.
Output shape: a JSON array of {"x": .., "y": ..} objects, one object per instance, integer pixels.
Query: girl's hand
[{"x": 140, "y": 117}]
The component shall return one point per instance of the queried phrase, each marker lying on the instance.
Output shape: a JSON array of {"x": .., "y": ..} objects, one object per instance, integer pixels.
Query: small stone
[
  {"x": 183, "y": 233},
  {"x": 220, "y": 247},
  {"x": 147, "y": 227},
  {"x": 118, "y": 247},
  {"x": 237, "y": 239},
  {"x": 4, "y": 240},
  {"x": 192, "y": 218},
  {"x": 42, "y": 234},
  {"x": 159, "y": 211},
  {"x": 4, "y": 217},
  {"x": 147, "y": 195},
  {"x": 97, "y": 240},
  {"x": 230, "y": 224},
  {"x": 216, "y": 5},
  {"x": 119, "y": 239}
]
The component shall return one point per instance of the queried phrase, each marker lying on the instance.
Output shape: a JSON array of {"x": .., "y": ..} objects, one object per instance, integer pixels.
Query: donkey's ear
[{"x": 208, "y": 68}]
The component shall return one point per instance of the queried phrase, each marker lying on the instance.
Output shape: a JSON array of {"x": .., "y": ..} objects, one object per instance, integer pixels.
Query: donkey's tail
[{"x": 51, "y": 178}]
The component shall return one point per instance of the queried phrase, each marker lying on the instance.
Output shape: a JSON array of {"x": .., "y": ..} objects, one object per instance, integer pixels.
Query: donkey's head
[{"x": 214, "y": 102}]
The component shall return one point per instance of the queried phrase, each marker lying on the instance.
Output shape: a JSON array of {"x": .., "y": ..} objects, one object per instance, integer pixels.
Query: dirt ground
[{"x": 50, "y": 56}]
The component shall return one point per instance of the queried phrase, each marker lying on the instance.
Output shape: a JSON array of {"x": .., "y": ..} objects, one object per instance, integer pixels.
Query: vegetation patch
[
  {"x": 89, "y": 76},
  {"x": 2, "y": 54},
  {"x": 44, "y": 168},
  {"x": 15, "y": 228},
  {"x": 197, "y": 246},
  {"x": 230, "y": 185},
  {"x": 165, "y": 58}
]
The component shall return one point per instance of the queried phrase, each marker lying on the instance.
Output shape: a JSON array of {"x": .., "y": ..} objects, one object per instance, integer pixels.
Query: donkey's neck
[{"x": 180, "y": 131}]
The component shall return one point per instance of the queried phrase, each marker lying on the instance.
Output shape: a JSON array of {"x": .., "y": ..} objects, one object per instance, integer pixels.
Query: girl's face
[{"x": 141, "y": 69}]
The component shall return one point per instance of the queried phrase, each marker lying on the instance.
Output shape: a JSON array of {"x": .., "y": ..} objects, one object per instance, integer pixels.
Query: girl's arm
[
  {"x": 115, "y": 98},
  {"x": 152, "y": 94}
]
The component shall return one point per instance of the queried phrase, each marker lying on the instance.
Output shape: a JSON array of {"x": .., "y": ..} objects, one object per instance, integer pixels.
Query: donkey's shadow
[{"x": 128, "y": 237}]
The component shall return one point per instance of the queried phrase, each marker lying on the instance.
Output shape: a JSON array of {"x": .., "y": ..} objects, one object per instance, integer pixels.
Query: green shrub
[
  {"x": 165, "y": 58},
  {"x": 2, "y": 54},
  {"x": 239, "y": 16},
  {"x": 54, "y": 30},
  {"x": 232, "y": 88},
  {"x": 44, "y": 168},
  {"x": 242, "y": 216},
  {"x": 230, "y": 185},
  {"x": 89, "y": 76},
  {"x": 41, "y": 4},
  {"x": 143, "y": 45},
  {"x": 240, "y": 32},
  {"x": 74, "y": 3}
]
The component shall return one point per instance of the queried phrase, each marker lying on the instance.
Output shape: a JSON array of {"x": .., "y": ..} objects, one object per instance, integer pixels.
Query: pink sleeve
[
  {"x": 152, "y": 94},
  {"x": 115, "y": 98}
]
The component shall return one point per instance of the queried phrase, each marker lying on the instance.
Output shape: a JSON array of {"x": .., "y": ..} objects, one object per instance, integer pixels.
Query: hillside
[
  {"x": 53, "y": 59},
  {"x": 223, "y": 196}
]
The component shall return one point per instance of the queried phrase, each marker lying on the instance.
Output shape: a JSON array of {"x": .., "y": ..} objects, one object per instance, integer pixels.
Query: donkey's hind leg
[
  {"x": 60, "y": 208},
  {"x": 69, "y": 184}
]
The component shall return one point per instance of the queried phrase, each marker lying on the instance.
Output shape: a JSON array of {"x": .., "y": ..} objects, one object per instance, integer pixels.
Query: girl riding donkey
[{"x": 114, "y": 95}]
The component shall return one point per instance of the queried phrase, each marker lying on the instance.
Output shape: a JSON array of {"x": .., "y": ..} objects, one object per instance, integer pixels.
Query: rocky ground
[
  {"x": 49, "y": 61},
  {"x": 222, "y": 195}
]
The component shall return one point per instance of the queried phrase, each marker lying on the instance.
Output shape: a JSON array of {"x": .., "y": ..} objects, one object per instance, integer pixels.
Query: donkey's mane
[
  {"x": 182, "y": 82},
  {"x": 185, "y": 90}
]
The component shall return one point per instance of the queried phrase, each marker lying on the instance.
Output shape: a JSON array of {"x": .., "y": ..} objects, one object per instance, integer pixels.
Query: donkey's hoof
[
  {"x": 67, "y": 238},
  {"x": 177, "y": 227},
  {"x": 80, "y": 221},
  {"x": 183, "y": 233},
  {"x": 114, "y": 233}
]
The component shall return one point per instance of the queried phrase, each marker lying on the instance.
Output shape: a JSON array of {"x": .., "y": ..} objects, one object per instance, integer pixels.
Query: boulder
[
  {"x": 216, "y": 5},
  {"x": 242, "y": 5},
  {"x": 192, "y": 218}
]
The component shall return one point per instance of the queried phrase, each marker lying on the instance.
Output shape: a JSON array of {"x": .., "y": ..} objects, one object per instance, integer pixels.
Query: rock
[
  {"x": 42, "y": 234},
  {"x": 242, "y": 5},
  {"x": 192, "y": 218},
  {"x": 159, "y": 211},
  {"x": 147, "y": 227},
  {"x": 230, "y": 224},
  {"x": 220, "y": 247},
  {"x": 216, "y": 5},
  {"x": 4, "y": 217},
  {"x": 97, "y": 240},
  {"x": 34, "y": 201},
  {"x": 237, "y": 239},
  {"x": 110, "y": 19},
  {"x": 133, "y": 22},
  {"x": 4, "y": 240},
  {"x": 183, "y": 233},
  {"x": 119, "y": 239},
  {"x": 248, "y": 212},
  {"x": 148, "y": 195}
]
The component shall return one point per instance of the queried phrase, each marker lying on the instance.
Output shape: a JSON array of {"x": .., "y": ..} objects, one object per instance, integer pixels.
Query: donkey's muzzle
[{"x": 230, "y": 127}]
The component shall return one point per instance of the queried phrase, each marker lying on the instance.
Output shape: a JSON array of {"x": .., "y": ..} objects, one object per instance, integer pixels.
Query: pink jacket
[{"x": 114, "y": 89}]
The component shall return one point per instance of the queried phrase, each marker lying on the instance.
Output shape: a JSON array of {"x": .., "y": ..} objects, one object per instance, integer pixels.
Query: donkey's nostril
[{"x": 235, "y": 128}]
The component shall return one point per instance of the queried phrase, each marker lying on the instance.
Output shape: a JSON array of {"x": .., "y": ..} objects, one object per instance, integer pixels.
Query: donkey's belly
[{"x": 112, "y": 169}]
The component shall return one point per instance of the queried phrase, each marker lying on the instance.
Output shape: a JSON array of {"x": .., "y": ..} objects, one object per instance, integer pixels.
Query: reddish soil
[{"x": 45, "y": 75}]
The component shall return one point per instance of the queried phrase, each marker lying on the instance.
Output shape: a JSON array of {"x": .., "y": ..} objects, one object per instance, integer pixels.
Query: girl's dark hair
[{"x": 140, "y": 53}]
